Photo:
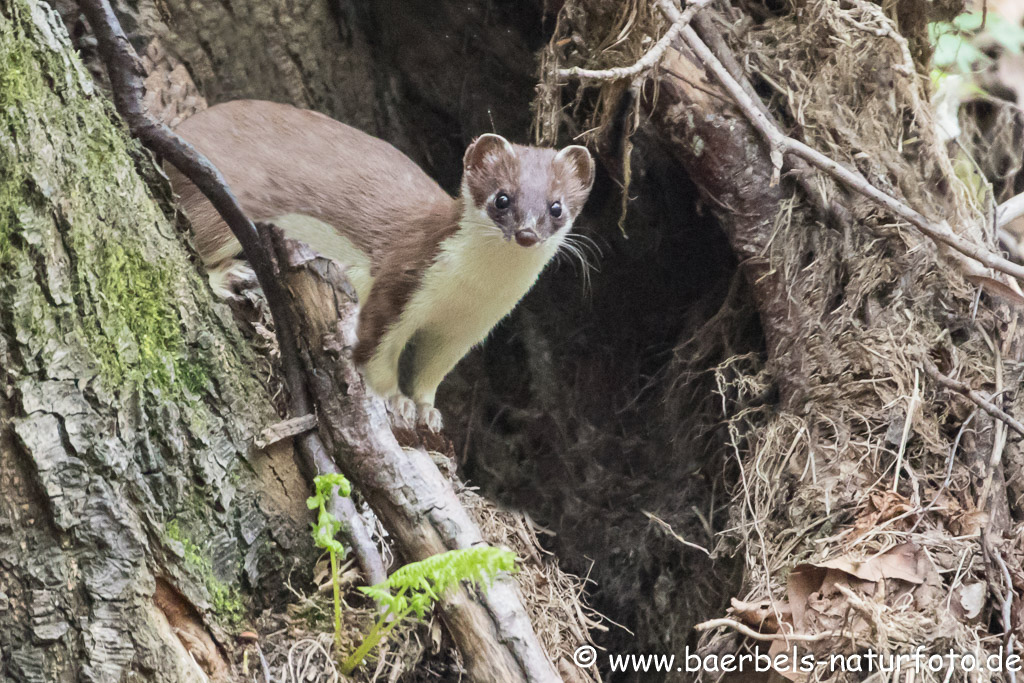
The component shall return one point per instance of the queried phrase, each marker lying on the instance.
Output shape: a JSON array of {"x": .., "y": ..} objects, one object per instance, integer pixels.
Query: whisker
[
  {"x": 587, "y": 240},
  {"x": 573, "y": 251},
  {"x": 587, "y": 244}
]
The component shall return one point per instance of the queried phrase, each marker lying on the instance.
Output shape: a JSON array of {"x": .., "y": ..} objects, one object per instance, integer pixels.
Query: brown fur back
[{"x": 282, "y": 160}]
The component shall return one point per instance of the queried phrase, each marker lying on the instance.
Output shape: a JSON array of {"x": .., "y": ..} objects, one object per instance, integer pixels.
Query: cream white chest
[{"x": 476, "y": 280}]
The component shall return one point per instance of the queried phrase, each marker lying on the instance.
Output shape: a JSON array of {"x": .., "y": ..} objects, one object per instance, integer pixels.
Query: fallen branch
[
  {"x": 780, "y": 144},
  {"x": 128, "y": 87},
  {"x": 648, "y": 60},
  {"x": 982, "y": 401},
  {"x": 403, "y": 486},
  {"x": 285, "y": 430}
]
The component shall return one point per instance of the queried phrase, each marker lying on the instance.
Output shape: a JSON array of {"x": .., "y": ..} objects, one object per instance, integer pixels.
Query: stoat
[{"x": 434, "y": 274}]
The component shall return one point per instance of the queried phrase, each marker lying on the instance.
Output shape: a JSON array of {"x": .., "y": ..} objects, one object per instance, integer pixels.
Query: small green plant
[
  {"x": 414, "y": 588},
  {"x": 324, "y": 531}
]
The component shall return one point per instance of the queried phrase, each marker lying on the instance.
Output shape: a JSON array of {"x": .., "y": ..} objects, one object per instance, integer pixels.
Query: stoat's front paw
[
  {"x": 230, "y": 280},
  {"x": 404, "y": 410},
  {"x": 428, "y": 416}
]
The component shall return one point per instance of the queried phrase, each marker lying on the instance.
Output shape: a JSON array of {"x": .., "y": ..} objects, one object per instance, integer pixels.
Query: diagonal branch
[
  {"x": 982, "y": 401},
  {"x": 1010, "y": 210},
  {"x": 127, "y": 83},
  {"x": 649, "y": 59},
  {"x": 780, "y": 144}
]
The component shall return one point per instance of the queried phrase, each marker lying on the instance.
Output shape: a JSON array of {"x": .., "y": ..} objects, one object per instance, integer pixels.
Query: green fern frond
[
  {"x": 327, "y": 525},
  {"x": 324, "y": 531},
  {"x": 418, "y": 585},
  {"x": 414, "y": 588}
]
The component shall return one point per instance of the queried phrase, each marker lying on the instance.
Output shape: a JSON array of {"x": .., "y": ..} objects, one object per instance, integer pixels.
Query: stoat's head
[{"x": 529, "y": 193}]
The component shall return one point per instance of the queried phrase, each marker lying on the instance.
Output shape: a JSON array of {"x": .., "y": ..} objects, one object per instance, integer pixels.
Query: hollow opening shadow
[{"x": 599, "y": 411}]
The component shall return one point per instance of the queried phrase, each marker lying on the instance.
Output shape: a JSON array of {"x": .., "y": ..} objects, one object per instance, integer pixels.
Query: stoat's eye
[
  {"x": 556, "y": 209},
  {"x": 501, "y": 201}
]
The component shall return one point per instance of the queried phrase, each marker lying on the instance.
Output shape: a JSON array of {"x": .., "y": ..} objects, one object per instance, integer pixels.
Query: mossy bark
[{"x": 132, "y": 517}]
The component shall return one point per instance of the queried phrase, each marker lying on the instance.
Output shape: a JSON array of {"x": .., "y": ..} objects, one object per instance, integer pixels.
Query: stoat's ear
[
  {"x": 486, "y": 150},
  {"x": 577, "y": 162}
]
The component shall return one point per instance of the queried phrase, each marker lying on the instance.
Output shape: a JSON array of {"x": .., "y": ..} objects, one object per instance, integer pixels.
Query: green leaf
[
  {"x": 325, "y": 484},
  {"x": 970, "y": 21},
  {"x": 952, "y": 50},
  {"x": 1006, "y": 34},
  {"x": 427, "y": 580}
]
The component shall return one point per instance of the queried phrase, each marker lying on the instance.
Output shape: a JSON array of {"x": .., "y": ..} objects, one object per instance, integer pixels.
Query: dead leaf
[
  {"x": 881, "y": 507},
  {"x": 901, "y": 562},
  {"x": 968, "y": 523},
  {"x": 804, "y": 580},
  {"x": 972, "y": 599},
  {"x": 760, "y": 616},
  {"x": 817, "y": 605},
  {"x": 890, "y": 504},
  {"x": 997, "y": 289}
]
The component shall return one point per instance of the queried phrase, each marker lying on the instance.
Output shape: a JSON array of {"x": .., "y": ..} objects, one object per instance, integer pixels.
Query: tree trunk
[{"x": 131, "y": 523}]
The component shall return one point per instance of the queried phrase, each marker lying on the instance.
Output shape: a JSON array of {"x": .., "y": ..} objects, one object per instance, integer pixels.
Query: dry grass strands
[{"x": 869, "y": 299}]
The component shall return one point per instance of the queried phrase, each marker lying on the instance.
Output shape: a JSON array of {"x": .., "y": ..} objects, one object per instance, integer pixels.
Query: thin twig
[
  {"x": 756, "y": 635},
  {"x": 1007, "y": 610},
  {"x": 779, "y": 145},
  {"x": 128, "y": 87},
  {"x": 982, "y": 401},
  {"x": 648, "y": 60},
  {"x": 907, "y": 423},
  {"x": 672, "y": 532}
]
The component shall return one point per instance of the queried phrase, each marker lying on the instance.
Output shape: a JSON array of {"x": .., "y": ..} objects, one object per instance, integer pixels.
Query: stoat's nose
[{"x": 527, "y": 237}]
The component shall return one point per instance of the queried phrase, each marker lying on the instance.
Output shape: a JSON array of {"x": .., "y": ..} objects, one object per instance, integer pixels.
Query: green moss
[
  {"x": 193, "y": 375},
  {"x": 225, "y": 599},
  {"x": 9, "y": 189},
  {"x": 138, "y": 335},
  {"x": 20, "y": 79}
]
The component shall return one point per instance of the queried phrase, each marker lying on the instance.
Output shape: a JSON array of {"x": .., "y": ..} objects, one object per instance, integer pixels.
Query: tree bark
[{"x": 136, "y": 525}]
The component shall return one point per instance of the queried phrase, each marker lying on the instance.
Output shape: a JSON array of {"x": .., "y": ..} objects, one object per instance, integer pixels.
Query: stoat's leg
[
  {"x": 381, "y": 372},
  {"x": 383, "y": 333},
  {"x": 434, "y": 360}
]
